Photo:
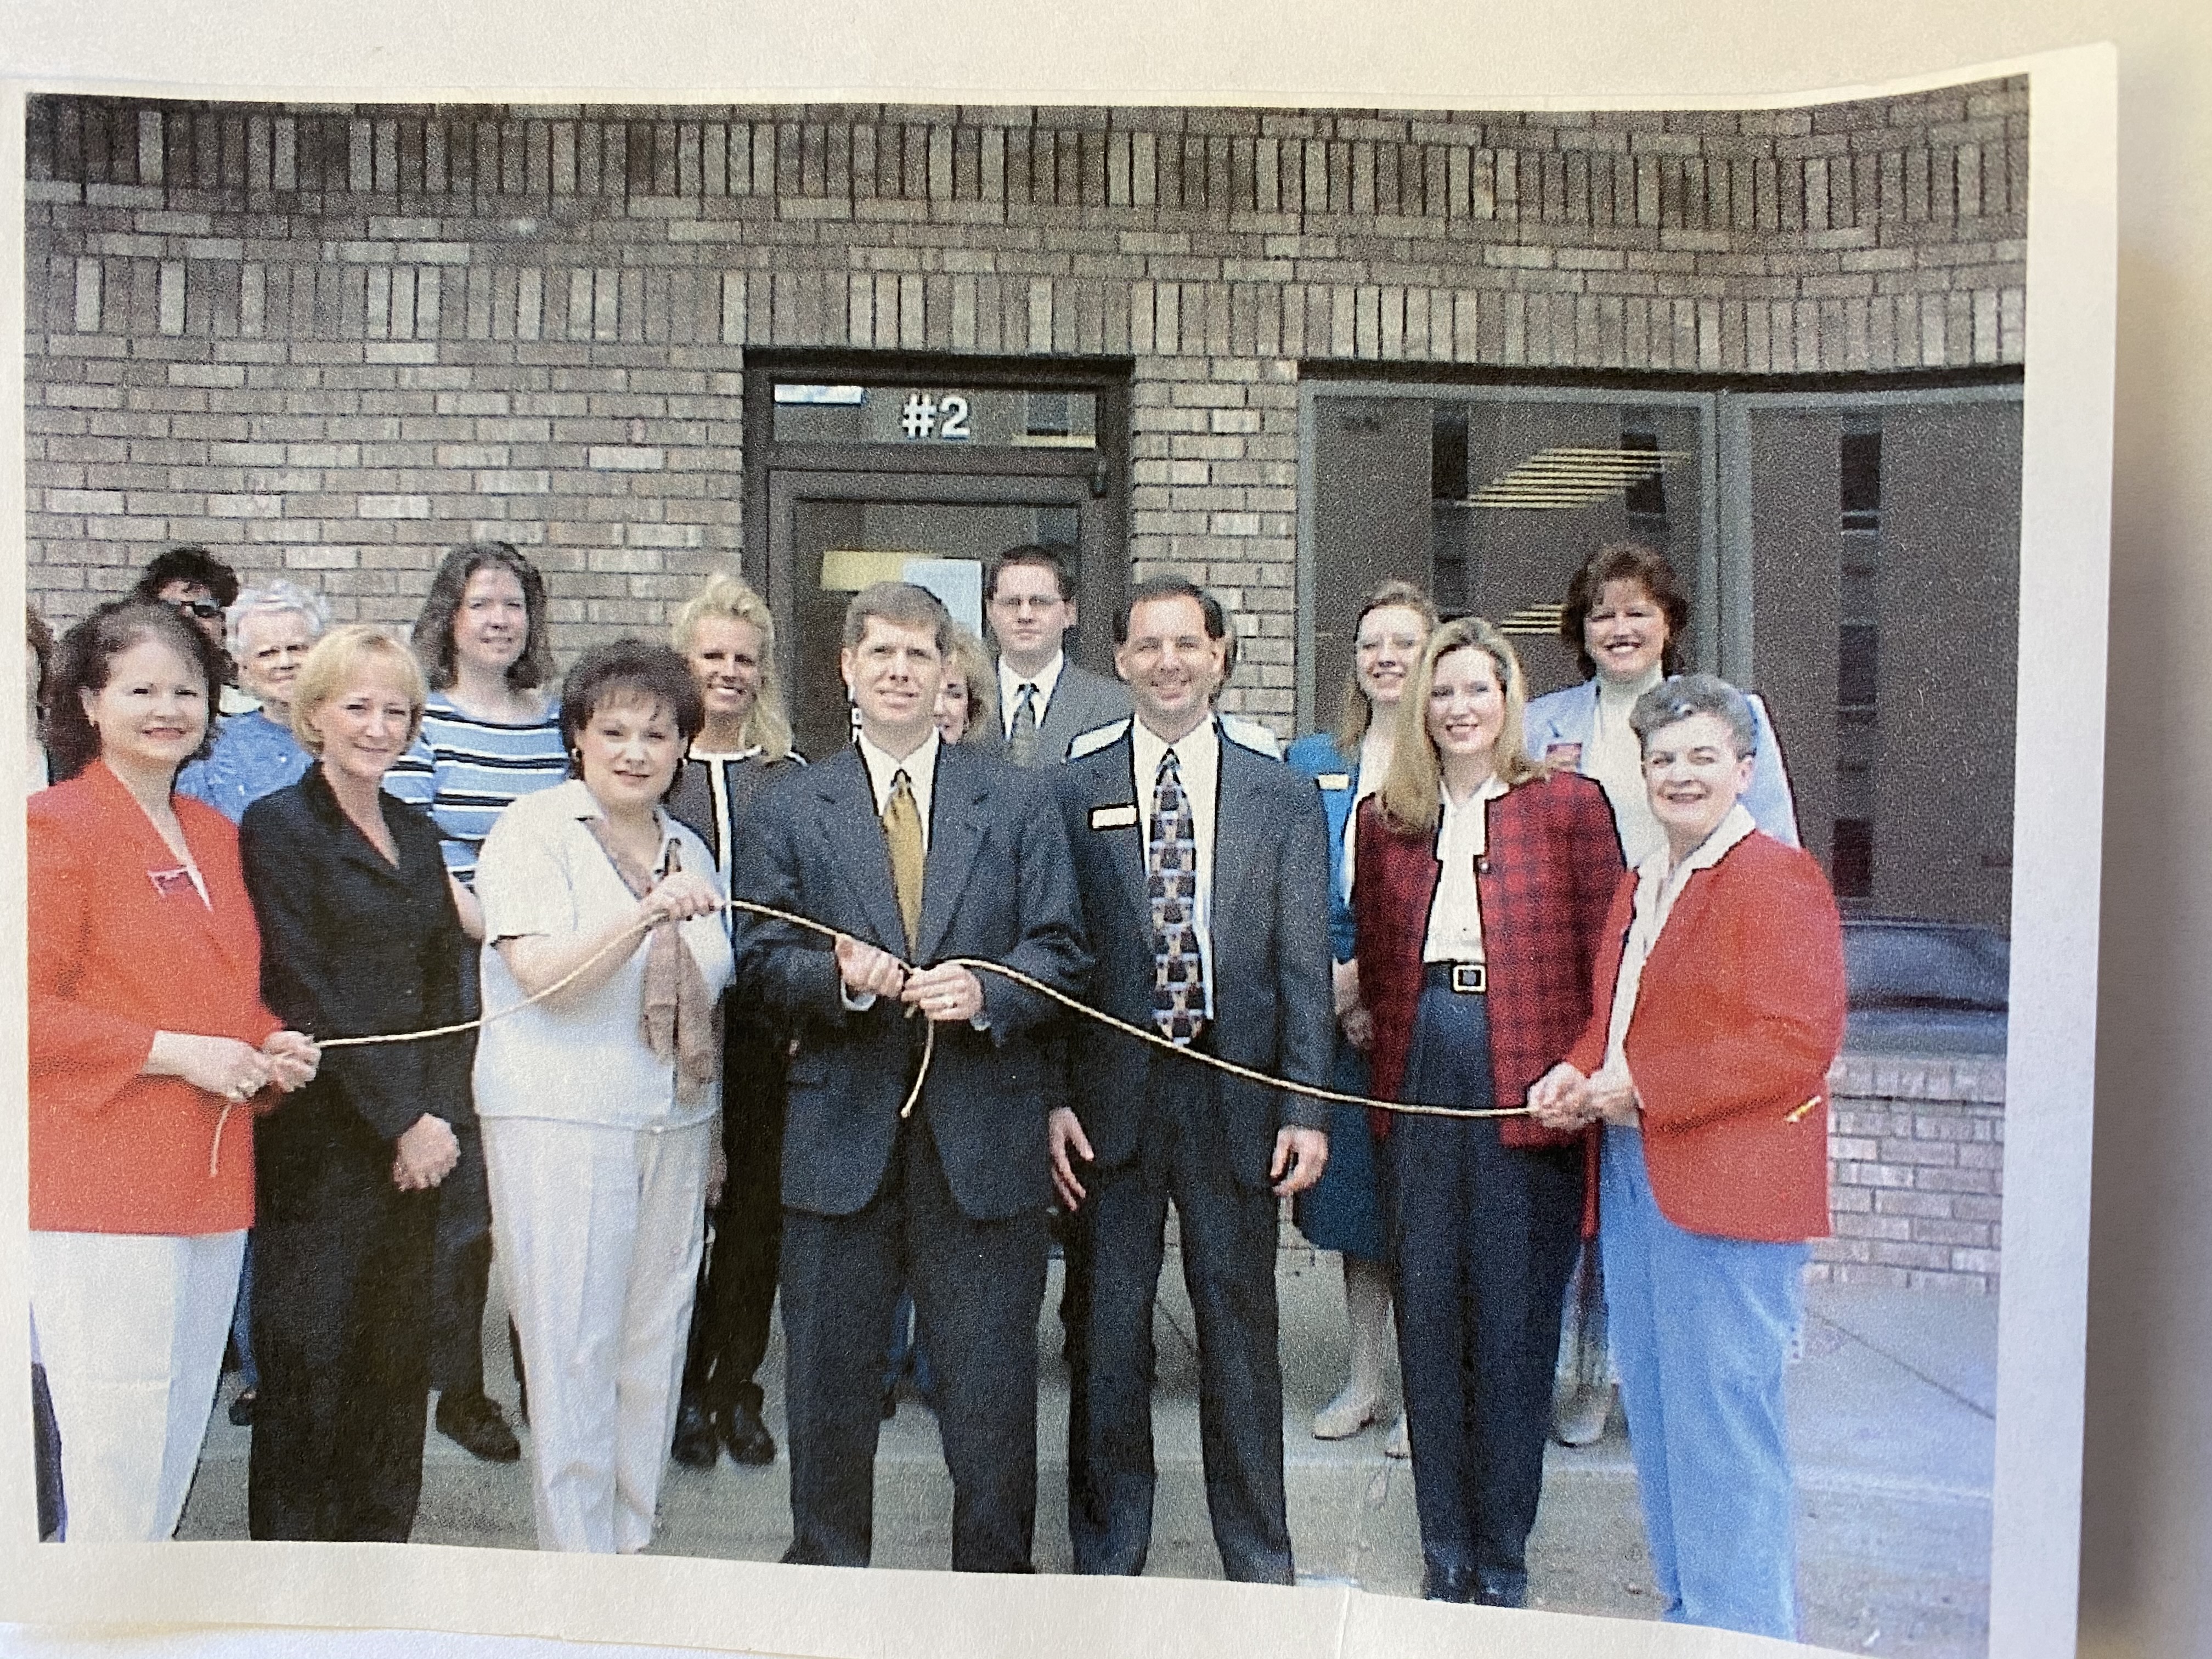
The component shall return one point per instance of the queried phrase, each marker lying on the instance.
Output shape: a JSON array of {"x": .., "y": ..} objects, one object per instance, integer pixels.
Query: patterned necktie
[
  {"x": 1178, "y": 972},
  {"x": 902, "y": 831},
  {"x": 1022, "y": 736}
]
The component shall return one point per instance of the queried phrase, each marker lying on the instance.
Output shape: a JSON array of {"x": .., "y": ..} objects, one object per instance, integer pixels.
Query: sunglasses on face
[{"x": 205, "y": 609}]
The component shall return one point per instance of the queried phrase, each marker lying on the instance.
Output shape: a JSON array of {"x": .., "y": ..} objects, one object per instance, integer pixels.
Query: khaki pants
[{"x": 597, "y": 1232}]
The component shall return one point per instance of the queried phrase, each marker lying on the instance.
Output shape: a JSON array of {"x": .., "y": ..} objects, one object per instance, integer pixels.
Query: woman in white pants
[
  {"x": 599, "y": 1104},
  {"x": 149, "y": 1039}
]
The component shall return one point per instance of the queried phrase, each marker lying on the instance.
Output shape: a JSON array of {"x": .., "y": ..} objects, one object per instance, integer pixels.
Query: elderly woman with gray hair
[
  {"x": 269, "y": 632},
  {"x": 1718, "y": 1008}
]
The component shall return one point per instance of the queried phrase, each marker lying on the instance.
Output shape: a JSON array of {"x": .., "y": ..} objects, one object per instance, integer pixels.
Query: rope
[{"x": 974, "y": 964}]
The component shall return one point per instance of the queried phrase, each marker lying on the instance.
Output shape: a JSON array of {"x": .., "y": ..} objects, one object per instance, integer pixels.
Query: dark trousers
[
  {"x": 978, "y": 1286},
  {"x": 1483, "y": 1236},
  {"x": 736, "y": 1284},
  {"x": 1228, "y": 1234},
  {"x": 341, "y": 1334},
  {"x": 461, "y": 1274}
]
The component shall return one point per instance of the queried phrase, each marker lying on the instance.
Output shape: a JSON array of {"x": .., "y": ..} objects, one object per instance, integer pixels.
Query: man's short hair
[
  {"x": 1171, "y": 587},
  {"x": 903, "y": 604},
  {"x": 189, "y": 564},
  {"x": 1685, "y": 696},
  {"x": 1044, "y": 558}
]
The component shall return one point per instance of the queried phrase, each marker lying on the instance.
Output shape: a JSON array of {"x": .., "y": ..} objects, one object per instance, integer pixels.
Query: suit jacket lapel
[
  {"x": 956, "y": 829},
  {"x": 183, "y": 908},
  {"x": 1235, "y": 828},
  {"x": 855, "y": 835},
  {"x": 1116, "y": 786}
]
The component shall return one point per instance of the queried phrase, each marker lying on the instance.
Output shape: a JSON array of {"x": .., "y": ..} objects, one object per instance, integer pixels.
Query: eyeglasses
[{"x": 205, "y": 609}]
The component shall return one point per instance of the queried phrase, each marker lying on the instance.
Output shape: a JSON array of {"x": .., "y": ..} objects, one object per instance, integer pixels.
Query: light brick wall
[
  {"x": 335, "y": 340},
  {"x": 1916, "y": 1159}
]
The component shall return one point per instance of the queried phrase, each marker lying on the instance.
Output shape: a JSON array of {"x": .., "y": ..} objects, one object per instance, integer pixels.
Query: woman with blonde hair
[
  {"x": 359, "y": 936},
  {"x": 968, "y": 701},
  {"x": 1484, "y": 879},
  {"x": 726, "y": 636},
  {"x": 1343, "y": 1212}
]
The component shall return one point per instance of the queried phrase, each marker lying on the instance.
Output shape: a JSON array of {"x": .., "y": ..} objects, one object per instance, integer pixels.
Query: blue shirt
[
  {"x": 252, "y": 757},
  {"x": 464, "y": 771}
]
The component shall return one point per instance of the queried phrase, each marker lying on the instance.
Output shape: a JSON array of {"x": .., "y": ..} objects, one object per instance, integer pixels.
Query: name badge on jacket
[
  {"x": 173, "y": 884},
  {"x": 1113, "y": 817},
  {"x": 1333, "y": 782},
  {"x": 1569, "y": 754}
]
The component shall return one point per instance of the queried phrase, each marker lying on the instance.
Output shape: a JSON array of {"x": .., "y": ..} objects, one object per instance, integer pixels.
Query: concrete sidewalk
[{"x": 1892, "y": 1414}]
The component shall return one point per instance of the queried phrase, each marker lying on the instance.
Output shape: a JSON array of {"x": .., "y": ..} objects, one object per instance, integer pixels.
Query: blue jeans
[{"x": 1701, "y": 1328}]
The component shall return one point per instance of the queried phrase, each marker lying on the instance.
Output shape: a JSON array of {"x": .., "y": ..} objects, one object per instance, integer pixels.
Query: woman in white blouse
[{"x": 599, "y": 1103}]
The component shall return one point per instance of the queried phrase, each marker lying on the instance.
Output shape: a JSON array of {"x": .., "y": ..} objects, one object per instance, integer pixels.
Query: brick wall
[
  {"x": 1916, "y": 1158},
  {"x": 335, "y": 339}
]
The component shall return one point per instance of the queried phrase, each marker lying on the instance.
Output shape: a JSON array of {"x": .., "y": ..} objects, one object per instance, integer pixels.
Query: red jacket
[
  {"x": 114, "y": 957},
  {"x": 1738, "y": 1019},
  {"x": 1553, "y": 861}
]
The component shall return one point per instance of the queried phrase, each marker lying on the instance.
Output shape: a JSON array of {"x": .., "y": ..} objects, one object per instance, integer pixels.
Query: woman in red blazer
[
  {"x": 148, "y": 1045},
  {"x": 1718, "y": 1008},
  {"x": 1483, "y": 878}
]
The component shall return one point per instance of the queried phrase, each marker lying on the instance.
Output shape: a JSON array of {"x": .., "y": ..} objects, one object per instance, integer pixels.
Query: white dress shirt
[
  {"x": 1198, "y": 763},
  {"x": 1463, "y": 838},
  {"x": 1045, "y": 680},
  {"x": 1656, "y": 889},
  {"x": 921, "y": 770}
]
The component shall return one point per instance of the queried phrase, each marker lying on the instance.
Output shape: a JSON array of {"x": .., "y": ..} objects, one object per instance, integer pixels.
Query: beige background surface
[{"x": 2147, "y": 1503}]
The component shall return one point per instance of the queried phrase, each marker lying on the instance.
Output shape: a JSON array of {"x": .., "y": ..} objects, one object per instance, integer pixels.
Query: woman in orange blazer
[
  {"x": 148, "y": 1047},
  {"x": 1718, "y": 1010}
]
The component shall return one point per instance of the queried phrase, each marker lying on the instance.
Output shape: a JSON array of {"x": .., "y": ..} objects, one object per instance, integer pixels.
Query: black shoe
[
  {"x": 1449, "y": 1584},
  {"x": 241, "y": 1409},
  {"x": 747, "y": 1437},
  {"x": 473, "y": 1422},
  {"x": 890, "y": 1403},
  {"x": 696, "y": 1445},
  {"x": 1501, "y": 1587}
]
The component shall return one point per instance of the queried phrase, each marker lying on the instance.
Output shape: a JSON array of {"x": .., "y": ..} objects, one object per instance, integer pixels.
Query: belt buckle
[{"x": 1470, "y": 978}]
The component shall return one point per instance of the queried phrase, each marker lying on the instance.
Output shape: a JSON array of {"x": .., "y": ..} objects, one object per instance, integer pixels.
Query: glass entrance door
[{"x": 921, "y": 470}]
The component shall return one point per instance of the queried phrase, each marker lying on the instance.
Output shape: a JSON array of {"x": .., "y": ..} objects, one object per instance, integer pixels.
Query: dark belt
[{"x": 1463, "y": 978}]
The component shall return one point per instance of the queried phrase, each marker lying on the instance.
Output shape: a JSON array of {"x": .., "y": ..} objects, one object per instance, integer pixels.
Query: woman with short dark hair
[
  {"x": 147, "y": 1037},
  {"x": 598, "y": 1104}
]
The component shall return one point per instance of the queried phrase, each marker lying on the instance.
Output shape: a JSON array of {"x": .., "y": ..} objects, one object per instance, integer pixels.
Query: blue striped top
[{"x": 463, "y": 771}]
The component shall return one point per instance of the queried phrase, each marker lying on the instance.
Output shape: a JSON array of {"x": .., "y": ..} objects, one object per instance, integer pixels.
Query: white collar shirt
[
  {"x": 1198, "y": 763},
  {"x": 921, "y": 770},
  {"x": 1463, "y": 838},
  {"x": 1615, "y": 756},
  {"x": 1657, "y": 887},
  {"x": 1045, "y": 680}
]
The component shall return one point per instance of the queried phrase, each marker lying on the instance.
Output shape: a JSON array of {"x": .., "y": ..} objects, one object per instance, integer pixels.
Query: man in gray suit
[
  {"x": 1044, "y": 699},
  {"x": 915, "y": 851},
  {"x": 1203, "y": 869}
]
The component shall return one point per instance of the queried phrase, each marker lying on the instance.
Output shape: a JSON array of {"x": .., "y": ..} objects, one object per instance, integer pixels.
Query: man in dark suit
[
  {"x": 1203, "y": 867},
  {"x": 1044, "y": 699},
  {"x": 915, "y": 851}
]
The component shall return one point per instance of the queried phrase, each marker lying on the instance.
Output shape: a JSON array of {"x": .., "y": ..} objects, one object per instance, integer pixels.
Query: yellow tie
[{"x": 903, "y": 830}]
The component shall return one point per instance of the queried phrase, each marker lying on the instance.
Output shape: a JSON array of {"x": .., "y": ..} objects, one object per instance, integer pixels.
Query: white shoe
[
  {"x": 1344, "y": 1416},
  {"x": 1579, "y": 1419},
  {"x": 1399, "y": 1446}
]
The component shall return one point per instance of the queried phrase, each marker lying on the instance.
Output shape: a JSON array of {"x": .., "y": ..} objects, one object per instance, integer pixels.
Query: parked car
[{"x": 1925, "y": 987}]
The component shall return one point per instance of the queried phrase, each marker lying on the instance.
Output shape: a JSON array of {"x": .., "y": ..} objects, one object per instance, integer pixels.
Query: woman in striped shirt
[{"x": 489, "y": 736}]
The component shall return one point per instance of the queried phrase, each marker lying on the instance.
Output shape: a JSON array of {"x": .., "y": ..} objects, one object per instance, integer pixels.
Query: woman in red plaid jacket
[{"x": 1484, "y": 882}]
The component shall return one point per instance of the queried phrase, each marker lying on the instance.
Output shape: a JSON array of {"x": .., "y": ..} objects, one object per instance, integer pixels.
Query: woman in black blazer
[{"x": 359, "y": 936}]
